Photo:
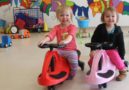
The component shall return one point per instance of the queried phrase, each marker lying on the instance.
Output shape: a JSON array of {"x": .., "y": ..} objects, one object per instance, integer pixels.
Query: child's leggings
[
  {"x": 115, "y": 59},
  {"x": 72, "y": 58}
]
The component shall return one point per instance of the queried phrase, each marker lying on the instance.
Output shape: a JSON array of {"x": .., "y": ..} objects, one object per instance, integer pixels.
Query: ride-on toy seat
[{"x": 102, "y": 70}]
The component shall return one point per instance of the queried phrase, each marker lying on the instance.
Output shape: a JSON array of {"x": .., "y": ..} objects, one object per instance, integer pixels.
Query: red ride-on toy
[{"x": 55, "y": 68}]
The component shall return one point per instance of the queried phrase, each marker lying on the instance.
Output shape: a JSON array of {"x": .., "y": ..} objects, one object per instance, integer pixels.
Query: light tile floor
[{"x": 21, "y": 64}]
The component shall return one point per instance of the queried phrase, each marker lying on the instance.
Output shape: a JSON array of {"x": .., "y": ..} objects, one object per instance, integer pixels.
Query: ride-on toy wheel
[
  {"x": 102, "y": 85},
  {"x": 51, "y": 88},
  {"x": 10, "y": 44},
  {"x": 6, "y": 45},
  {"x": 12, "y": 37},
  {"x": 21, "y": 36}
]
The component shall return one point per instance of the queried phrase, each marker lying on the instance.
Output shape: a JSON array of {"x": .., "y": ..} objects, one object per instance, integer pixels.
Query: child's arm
[
  {"x": 49, "y": 37},
  {"x": 71, "y": 34},
  {"x": 46, "y": 39},
  {"x": 67, "y": 40}
]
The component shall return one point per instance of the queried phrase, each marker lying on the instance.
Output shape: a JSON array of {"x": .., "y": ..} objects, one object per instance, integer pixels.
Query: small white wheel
[
  {"x": 22, "y": 36},
  {"x": 12, "y": 37},
  {"x": 14, "y": 29},
  {"x": 6, "y": 45},
  {"x": 10, "y": 44}
]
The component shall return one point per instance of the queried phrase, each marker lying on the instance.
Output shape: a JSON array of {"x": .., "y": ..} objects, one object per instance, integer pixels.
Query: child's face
[
  {"x": 64, "y": 17},
  {"x": 110, "y": 18}
]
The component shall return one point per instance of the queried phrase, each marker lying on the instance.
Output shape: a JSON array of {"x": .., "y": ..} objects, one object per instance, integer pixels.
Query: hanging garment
[
  {"x": 80, "y": 10},
  {"x": 45, "y": 7}
]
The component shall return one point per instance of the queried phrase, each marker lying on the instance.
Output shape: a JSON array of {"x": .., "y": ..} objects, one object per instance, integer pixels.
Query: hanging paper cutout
[
  {"x": 69, "y": 3},
  {"x": 80, "y": 3},
  {"x": 90, "y": 1},
  {"x": 119, "y": 7},
  {"x": 108, "y": 3},
  {"x": 16, "y": 2},
  {"x": 85, "y": 11},
  {"x": 81, "y": 11},
  {"x": 96, "y": 7},
  {"x": 126, "y": 8},
  {"x": 35, "y": 4},
  {"x": 115, "y": 2},
  {"x": 47, "y": 1},
  {"x": 104, "y": 4},
  {"x": 26, "y": 3},
  {"x": 96, "y": 0},
  {"x": 45, "y": 8},
  {"x": 4, "y": 2},
  {"x": 56, "y": 3}
]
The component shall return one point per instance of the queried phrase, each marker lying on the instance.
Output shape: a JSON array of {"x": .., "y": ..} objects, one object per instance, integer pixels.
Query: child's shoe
[
  {"x": 81, "y": 65},
  {"x": 126, "y": 65},
  {"x": 122, "y": 75},
  {"x": 70, "y": 77}
]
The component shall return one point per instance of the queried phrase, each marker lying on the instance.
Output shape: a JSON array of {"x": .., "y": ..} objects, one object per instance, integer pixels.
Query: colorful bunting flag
[
  {"x": 126, "y": 8},
  {"x": 4, "y": 2}
]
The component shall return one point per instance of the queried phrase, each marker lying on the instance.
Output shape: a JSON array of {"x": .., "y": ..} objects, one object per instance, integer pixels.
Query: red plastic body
[{"x": 60, "y": 65}]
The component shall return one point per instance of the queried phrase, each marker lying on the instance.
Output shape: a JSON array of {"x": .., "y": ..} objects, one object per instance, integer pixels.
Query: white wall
[{"x": 6, "y": 13}]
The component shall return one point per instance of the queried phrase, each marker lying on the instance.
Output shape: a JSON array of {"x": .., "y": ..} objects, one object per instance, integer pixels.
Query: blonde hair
[
  {"x": 63, "y": 8},
  {"x": 112, "y": 9}
]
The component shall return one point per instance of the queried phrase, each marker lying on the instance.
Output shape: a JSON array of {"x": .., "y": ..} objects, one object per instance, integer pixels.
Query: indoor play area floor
[{"x": 21, "y": 64}]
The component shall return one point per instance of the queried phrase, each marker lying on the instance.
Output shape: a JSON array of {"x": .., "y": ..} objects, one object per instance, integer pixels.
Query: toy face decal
[{"x": 14, "y": 29}]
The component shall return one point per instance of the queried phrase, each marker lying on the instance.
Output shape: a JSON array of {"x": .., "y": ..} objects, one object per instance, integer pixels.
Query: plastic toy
[
  {"x": 55, "y": 68},
  {"x": 6, "y": 41},
  {"x": 102, "y": 70},
  {"x": 83, "y": 24},
  {"x": 11, "y": 29},
  {"x": 14, "y": 29},
  {"x": 22, "y": 34},
  {"x": 29, "y": 16},
  {"x": 45, "y": 27}
]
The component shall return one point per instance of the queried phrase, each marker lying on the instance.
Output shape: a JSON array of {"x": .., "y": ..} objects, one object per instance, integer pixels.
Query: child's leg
[
  {"x": 72, "y": 58},
  {"x": 80, "y": 63},
  {"x": 117, "y": 61},
  {"x": 90, "y": 62}
]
